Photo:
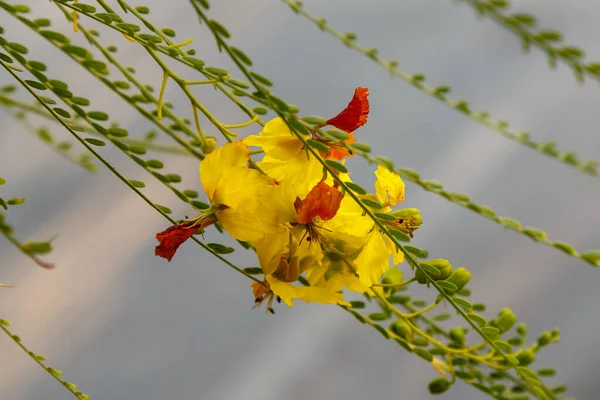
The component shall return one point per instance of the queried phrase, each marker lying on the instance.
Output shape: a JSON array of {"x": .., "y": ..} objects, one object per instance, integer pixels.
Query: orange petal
[
  {"x": 339, "y": 152},
  {"x": 322, "y": 201},
  {"x": 170, "y": 239},
  {"x": 355, "y": 114}
]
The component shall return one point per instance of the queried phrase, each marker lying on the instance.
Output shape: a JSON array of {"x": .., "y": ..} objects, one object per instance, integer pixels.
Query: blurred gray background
[{"x": 124, "y": 324}]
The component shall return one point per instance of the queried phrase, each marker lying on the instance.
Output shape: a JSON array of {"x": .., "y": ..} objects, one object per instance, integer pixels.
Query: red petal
[
  {"x": 172, "y": 238},
  {"x": 355, "y": 114},
  {"x": 322, "y": 201}
]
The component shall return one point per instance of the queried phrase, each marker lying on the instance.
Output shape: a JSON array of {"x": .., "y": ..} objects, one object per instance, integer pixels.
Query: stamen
[
  {"x": 184, "y": 43},
  {"x": 242, "y": 125},
  {"x": 197, "y": 122},
  {"x": 162, "y": 95}
]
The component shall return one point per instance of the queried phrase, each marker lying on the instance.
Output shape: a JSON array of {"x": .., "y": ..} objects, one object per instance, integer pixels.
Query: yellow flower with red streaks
[
  {"x": 237, "y": 196},
  {"x": 285, "y": 157}
]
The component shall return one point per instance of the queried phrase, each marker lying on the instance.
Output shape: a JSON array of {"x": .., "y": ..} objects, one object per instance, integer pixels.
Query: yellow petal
[
  {"x": 246, "y": 226},
  {"x": 335, "y": 275},
  {"x": 389, "y": 186},
  {"x": 279, "y": 202},
  {"x": 219, "y": 162},
  {"x": 270, "y": 249},
  {"x": 397, "y": 255},
  {"x": 301, "y": 171},
  {"x": 289, "y": 292},
  {"x": 373, "y": 260},
  {"x": 276, "y": 140},
  {"x": 350, "y": 220}
]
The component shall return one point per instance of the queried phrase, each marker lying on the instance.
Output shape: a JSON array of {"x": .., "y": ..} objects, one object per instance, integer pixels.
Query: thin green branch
[
  {"x": 84, "y": 63},
  {"x": 115, "y": 172},
  {"x": 6, "y": 231},
  {"x": 173, "y": 52},
  {"x": 56, "y": 374},
  {"x": 102, "y": 131},
  {"x": 440, "y": 93},
  {"x": 45, "y": 136},
  {"x": 150, "y": 145},
  {"x": 548, "y": 41}
]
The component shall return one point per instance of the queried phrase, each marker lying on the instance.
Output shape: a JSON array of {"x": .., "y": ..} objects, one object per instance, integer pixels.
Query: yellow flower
[
  {"x": 302, "y": 172},
  {"x": 389, "y": 187},
  {"x": 237, "y": 192},
  {"x": 335, "y": 275},
  {"x": 367, "y": 248},
  {"x": 283, "y": 260},
  {"x": 276, "y": 140}
]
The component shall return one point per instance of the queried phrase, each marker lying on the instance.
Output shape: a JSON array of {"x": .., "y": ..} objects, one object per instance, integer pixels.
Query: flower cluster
[{"x": 312, "y": 239}]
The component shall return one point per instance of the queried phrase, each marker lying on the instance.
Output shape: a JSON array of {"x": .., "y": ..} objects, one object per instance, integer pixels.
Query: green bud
[
  {"x": 522, "y": 329},
  {"x": 443, "y": 266},
  {"x": 401, "y": 328},
  {"x": 555, "y": 334},
  {"x": 544, "y": 339},
  {"x": 457, "y": 334},
  {"x": 460, "y": 278},
  {"x": 208, "y": 145},
  {"x": 407, "y": 213},
  {"x": 37, "y": 247},
  {"x": 393, "y": 276},
  {"x": 506, "y": 319},
  {"x": 525, "y": 357},
  {"x": 439, "y": 385}
]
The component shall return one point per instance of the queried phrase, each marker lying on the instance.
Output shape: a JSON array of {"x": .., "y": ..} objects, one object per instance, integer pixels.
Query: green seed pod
[
  {"x": 460, "y": 278},
  {"x": 506, "y": 319},
  {"x": 457, "y": 334},
  {"x": 544, "y": 339},
  {"x": 525, "y": 357},
  {"x": 441, "y": 265},
  {"x": 522, "y": 329},
  {"x": 401, "y": 328},
  {"x": 439, "y": 385},
  {"x": 208, "y": 145},
  {"x": 393, "y": 276}
]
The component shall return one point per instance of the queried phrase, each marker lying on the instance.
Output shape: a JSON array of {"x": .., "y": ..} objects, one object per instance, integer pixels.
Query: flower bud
[
  {"x": 407, "y": 213},
  {"x": 208, "y": 145},
  {"x": 525, "y": 357},
  {"x": 401, "y": 328},
  {"x": 443, "y": 266},
  {"x": 522, "y": 329},
  {"x": 439, "y": 385},
  {"x": 393, "y": 276},
  {"x": 460, "y": 278},
  {"x": 506, "y": 319},
  {"x": 457, "y": 334},
  {"x": 544, "y": 339},
  {"x": 555, "y": 334}
]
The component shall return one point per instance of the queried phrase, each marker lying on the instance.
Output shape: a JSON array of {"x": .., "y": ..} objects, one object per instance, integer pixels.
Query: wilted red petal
[
  {"x": 170, "y": 239},
  {"x": 322, "y": 201},
  {"x": 355, "y": 114},
  {"x": 339, "y": 152}
]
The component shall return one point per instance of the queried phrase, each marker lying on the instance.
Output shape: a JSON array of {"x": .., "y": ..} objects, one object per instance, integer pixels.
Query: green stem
[
  {"x": 117, "y": 174},
  {"x": 567, "y": 158},
  {"x": 54, "y": 373}
]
